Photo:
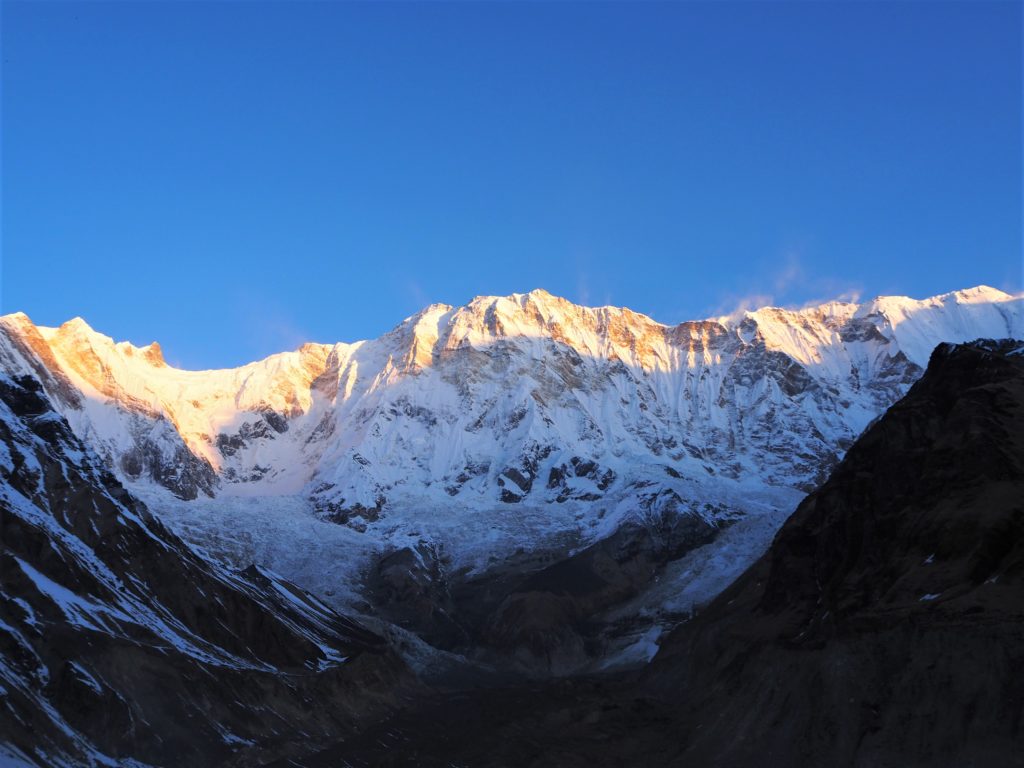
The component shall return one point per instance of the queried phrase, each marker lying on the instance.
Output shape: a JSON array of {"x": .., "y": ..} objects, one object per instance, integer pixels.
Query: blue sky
[{"x": 234, "y": 178}]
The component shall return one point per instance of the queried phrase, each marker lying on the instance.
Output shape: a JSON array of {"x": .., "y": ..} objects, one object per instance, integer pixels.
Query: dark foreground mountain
[
  {"x": 120, "y": 645},
  {"x": 884, "y": 626}
]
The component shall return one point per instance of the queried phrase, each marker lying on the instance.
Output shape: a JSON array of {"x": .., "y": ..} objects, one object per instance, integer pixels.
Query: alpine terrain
[
  {"x": 121, "y": 645},
  {"x": 250, "y": 564},
  {"x": 883, "y": 627}
]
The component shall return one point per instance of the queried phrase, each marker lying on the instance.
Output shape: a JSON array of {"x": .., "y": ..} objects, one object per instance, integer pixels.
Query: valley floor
[
  {"x": 478, "y": 554},
  {"x": 585, "y": 721}
]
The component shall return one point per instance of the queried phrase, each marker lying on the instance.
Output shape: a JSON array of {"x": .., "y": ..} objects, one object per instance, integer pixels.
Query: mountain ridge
[
  {"x": 541, "y": 326},
  {"x": 976, "y": 294},
  {"x": 508, "y": 433}
]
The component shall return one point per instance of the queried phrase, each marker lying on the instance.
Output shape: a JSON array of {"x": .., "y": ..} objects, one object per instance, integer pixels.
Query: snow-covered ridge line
[
  {"x": 152, "y": 353},
  {"x": 523, "y": 398}
]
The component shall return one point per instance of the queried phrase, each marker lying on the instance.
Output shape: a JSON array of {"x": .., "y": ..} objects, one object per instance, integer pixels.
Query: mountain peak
[
  {"x": 540, "y": 295},
  {"x": 154, "y": 353},
  {"x": 77, "y": 333},
  {"x": 18, "y": 321},
  {"x": 76, "y": 325},
  {"x": 981, "y": 293}
]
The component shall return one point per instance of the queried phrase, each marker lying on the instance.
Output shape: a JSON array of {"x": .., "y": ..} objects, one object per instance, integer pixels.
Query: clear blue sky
[{"x": 234, "y": 178}]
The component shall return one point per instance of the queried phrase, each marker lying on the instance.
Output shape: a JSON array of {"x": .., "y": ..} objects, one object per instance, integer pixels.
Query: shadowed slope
[
  {"x": 885, "y": 625},
  {"x": 118, "y": 643}
]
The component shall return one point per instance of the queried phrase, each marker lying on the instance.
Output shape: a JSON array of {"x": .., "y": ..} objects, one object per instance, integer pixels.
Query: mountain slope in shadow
[
  {"x": 883, "y": 627},
  {"x": 122, "y": 646}
]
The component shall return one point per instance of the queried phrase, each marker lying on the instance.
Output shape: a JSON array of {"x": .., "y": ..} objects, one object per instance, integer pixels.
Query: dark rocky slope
[
  {"x": 884, "y": 626},
  {"x": 118, "y": 643},
  {"x": 539, "y": 614}
]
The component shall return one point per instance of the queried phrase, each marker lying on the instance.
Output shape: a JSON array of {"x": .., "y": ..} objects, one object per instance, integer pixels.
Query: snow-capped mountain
[
  {"x": 526, "y": 397},
  {"x": 512, "y": 425}
]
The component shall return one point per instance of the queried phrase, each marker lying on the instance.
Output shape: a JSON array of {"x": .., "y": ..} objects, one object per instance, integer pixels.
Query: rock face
[
  {"x": 551, "y": 620},
  {"x": 120, "y": 645}
]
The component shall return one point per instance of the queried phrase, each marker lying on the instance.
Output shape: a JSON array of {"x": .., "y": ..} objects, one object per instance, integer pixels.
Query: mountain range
[
  {"x": 236, "y": 566},
  {"x": 418, "y": 478}
]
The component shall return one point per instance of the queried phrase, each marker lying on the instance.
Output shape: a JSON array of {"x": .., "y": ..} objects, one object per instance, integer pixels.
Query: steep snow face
[{"x": 526, "y": 399}]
